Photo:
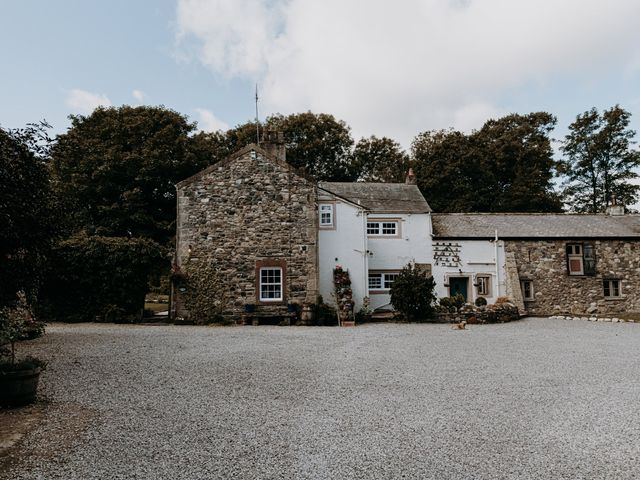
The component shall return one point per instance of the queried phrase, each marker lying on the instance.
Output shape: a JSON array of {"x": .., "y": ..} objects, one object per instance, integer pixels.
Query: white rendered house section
[
  {"x": 389, "y": 253},
  {"x": 344, "y": 244},
  {"x": 466, "y": 261}
]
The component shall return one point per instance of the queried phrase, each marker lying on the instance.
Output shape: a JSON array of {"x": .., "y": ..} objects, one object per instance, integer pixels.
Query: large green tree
[
  {"x": 117, "y": 169},
  {"x": 317, "y": 142},
  {"x": 26, "y": 210},
  {"x": 506, "y": 166},
  {"x": 600, "y": 161},
  {"x": 380, "y": 160}
]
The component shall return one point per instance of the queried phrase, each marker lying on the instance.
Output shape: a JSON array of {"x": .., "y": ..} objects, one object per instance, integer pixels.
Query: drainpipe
[
  {"x": 365, "y": 273},
  {"x": 497, "y": 265}
]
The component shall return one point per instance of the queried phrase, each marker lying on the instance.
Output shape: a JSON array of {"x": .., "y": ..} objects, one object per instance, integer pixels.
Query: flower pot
[
  {"x": 249, "y": 307},
  {"x": 19, "y": 388},
  {"x": 292, "y": 308}
]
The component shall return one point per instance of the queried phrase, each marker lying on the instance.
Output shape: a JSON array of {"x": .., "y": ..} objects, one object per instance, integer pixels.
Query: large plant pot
[{"x": 19, "y": 388}]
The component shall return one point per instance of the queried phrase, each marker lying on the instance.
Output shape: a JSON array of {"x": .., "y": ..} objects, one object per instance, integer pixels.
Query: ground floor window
[
  {"x": 484, "y": 285},
  {"x": 270, "y": 284},
  {"x": 611, "y": 288},
  {"x": 527, "y": 290},
  {"x": 380, "y": 282}
]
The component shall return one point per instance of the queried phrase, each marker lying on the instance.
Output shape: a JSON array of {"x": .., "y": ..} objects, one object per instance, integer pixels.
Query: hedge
[{"x": 91, "y": 276}]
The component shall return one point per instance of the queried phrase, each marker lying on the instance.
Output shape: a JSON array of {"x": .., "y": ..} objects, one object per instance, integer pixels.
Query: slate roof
[
  {"x": 380, "y": 197},
  {"x": 535, "y": 225}
]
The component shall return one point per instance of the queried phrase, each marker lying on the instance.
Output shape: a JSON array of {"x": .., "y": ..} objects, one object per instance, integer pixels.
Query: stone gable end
[{"x": 247, "y": 211}]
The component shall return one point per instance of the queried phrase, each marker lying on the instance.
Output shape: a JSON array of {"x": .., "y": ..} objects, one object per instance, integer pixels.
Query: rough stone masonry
[
  {"x": 544, "y": 263},
  {"x": 247, "y": 212}
]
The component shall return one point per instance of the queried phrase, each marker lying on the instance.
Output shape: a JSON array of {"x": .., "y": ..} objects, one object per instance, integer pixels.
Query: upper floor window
[
  {"x": 326, "y": 215},
  {"x": 581, "y": 259},
  {"x": 380, "y": 228}
]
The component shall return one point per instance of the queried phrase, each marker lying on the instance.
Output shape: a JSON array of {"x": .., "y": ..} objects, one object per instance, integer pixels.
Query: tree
[
  {"x": 412, "y": 292},
  {"x": 380, "y": 160},
  {"x": 599, "y": 161},
  {"x": 506, "y": 166},
  {"x": 447, "y": 170},
  {"x": 26, "y": 212},
  {"x": 517, "y": 151},
  {"x": 117, "y": 169},
  {"x": 317, "y": 142}
]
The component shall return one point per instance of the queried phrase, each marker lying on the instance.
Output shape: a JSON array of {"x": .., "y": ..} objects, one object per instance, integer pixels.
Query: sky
[{"x": 386, "y": 68}]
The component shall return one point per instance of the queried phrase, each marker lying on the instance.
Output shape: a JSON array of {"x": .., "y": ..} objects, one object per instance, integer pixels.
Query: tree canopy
[
  {"x": 26, "y": 212},
  {"x": 599, "y": 160},
  {"x": 506, "y": 166},
  {"x": 117, "y": 169},
  {"x": 380, "y": 160}
]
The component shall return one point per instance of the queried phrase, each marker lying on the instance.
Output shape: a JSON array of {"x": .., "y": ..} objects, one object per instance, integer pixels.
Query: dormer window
[{"x": 326, "y": 215}]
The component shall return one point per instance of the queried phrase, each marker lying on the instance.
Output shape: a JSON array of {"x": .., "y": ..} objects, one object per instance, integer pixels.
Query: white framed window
[
  {"x": 527, "y": 290},
  {"x": 384, "y": 229},
  {"x": 271, "y": 284},
  {"x": 326, "y": 214},
  {"x": 382, "y": 281},
  {"x": 484, "y": 285},
  {"x": 611, "y": 288},
  {"x": 575, "y": 262},
  {"x": 581, "y": 259}
]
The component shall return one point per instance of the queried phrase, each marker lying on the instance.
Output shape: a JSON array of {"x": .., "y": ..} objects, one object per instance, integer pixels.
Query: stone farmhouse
[{"x": 255, "y": 235}]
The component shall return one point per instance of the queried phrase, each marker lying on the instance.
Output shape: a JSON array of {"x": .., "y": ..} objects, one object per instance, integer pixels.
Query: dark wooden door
[{"x": 458, "y": 285}]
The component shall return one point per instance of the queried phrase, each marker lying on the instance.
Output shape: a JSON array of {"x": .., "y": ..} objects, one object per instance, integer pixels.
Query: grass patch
[{"x": 631, "y": 316}]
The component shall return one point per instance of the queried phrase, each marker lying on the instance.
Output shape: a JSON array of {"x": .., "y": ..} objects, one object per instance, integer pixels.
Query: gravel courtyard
[{"x": 536, "y": 398}]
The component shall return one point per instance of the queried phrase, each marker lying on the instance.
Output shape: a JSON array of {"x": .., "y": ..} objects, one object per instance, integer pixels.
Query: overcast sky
[{"x": 386, "y": 68}]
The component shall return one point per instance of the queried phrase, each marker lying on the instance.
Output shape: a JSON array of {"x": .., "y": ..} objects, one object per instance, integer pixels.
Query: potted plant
[{"x": 18, "y": 377}]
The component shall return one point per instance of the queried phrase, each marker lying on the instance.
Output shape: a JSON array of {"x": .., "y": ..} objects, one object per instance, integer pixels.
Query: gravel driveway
[{"x": 536, "y": 398}]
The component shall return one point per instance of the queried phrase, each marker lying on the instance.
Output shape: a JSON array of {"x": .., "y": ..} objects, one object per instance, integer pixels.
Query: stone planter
[{"x": 19, "y": 387}]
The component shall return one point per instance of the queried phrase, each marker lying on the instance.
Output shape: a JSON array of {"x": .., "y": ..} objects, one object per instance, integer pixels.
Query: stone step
[
  {"x": 382, "y": 315},
  {"x": 348, "y": 323}
]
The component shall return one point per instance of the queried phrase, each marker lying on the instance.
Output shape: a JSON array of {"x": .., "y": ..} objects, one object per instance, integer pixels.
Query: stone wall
[
  {"x": 245, "y": 212},
  {"x": 556, "y": 292}
]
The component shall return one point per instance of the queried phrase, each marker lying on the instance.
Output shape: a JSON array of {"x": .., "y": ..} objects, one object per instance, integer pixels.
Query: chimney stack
[
  {"x": 411, "y": 178},
  {"x": 273, "y": 143},
  {"x": 613, "y": 209}
]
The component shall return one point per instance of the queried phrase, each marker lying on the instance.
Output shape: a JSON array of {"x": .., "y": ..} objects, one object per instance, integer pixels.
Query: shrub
[
  {"x": 412, "y": 293},
  {"x": 17, "y": 323},
  {"x": 99, "y": 276},
  {"x": 480, "y": 302},
  {"x": 324, "y": 314},
  {"x": 503, "y": 300},
  {"x": 454, "y": 303}
]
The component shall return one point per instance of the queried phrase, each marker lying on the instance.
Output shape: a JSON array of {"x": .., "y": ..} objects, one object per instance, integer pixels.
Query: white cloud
[
  {"x": 82, "y": 101},
  {"x": 209, "y": 122},
  {"x": 138, "y": 95},
  {"x": 401, "y": 68}
]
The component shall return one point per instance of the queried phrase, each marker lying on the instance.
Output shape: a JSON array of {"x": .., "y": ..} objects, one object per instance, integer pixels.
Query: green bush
[
  {"x": 412, "y": 293},
  {"x": 454, "y": 303},
  {"x": 99, "y": 276},
  {"x": 480, "y": 302}
]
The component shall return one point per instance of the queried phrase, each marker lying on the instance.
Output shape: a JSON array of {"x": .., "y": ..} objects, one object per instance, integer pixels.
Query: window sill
[
  {"x": 379, "y": 292},
  {"x": 614, "y": 299}
]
